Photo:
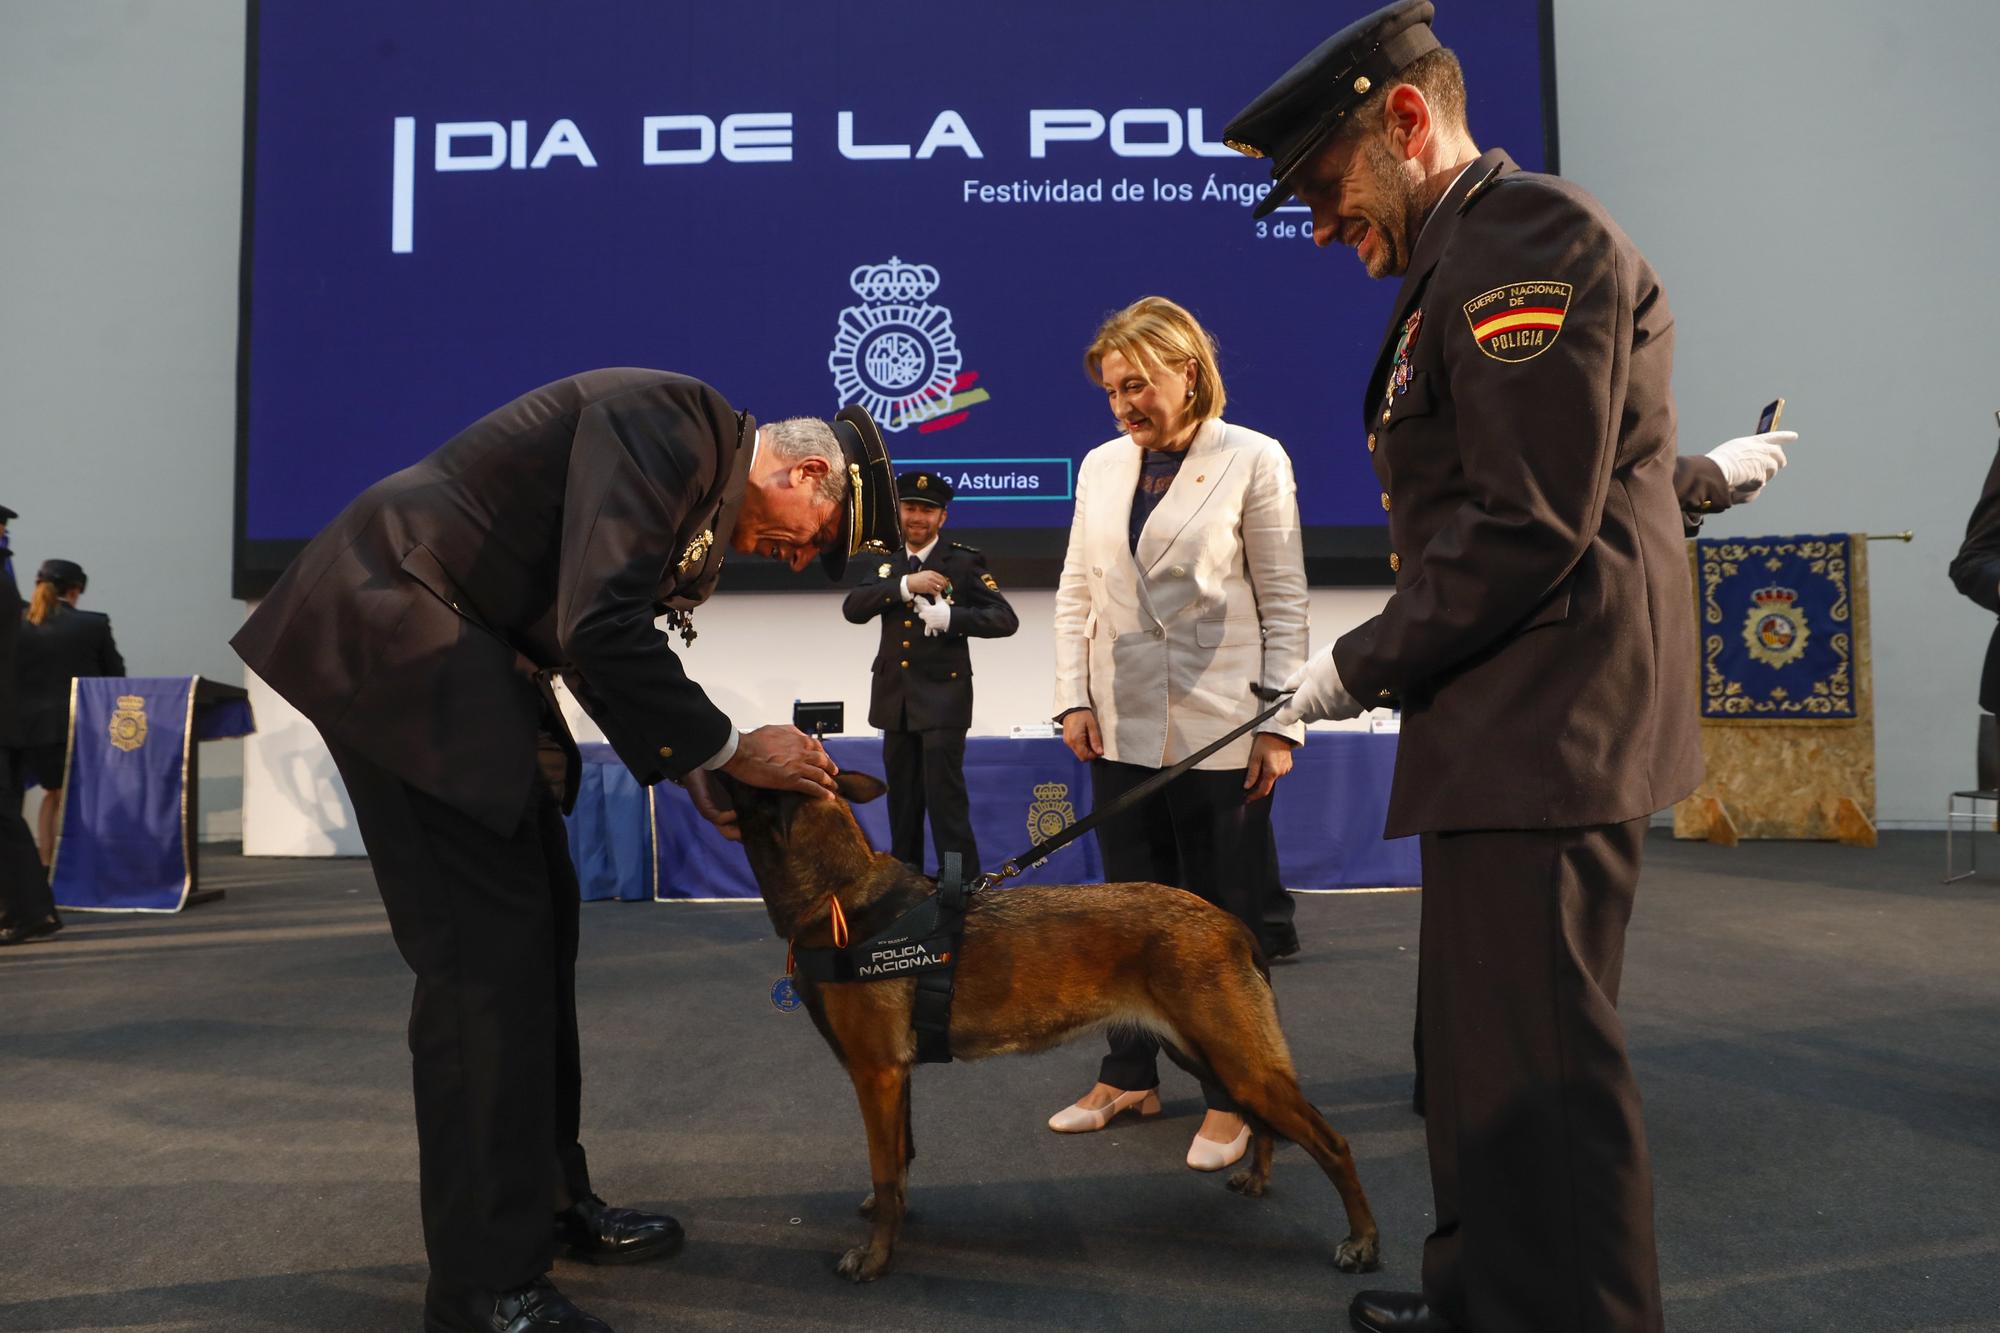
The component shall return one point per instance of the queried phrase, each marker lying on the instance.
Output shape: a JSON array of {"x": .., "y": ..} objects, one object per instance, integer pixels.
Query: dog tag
[{"x": 785, "y": 996}]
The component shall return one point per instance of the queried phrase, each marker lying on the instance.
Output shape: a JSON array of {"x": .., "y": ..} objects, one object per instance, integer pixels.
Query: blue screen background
[{"x": 360, "y": 359}]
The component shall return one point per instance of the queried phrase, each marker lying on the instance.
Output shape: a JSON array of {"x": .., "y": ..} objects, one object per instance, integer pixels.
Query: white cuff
[
  {"x": 903, "y": 588},
  {"x": 726, "y": 753}
]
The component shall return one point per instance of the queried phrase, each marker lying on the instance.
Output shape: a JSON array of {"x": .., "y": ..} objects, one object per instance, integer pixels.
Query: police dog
[{"x": 1037, "y": 966}]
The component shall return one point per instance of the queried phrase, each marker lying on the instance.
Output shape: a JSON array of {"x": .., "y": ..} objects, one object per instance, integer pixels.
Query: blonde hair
[
  {"x": 44, "y": 604},
  {"x": 1155, "y": 333}
]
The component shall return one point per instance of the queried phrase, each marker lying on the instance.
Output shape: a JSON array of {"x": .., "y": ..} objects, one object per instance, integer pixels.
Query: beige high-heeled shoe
[
  {"x": 1208, "y": 1155},
  {"x": 1074, "y": 1119}
]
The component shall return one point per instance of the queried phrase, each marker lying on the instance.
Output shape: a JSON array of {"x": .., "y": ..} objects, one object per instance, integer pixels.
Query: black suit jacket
[
  {"x": 545, "y": 536},
  {"x": 924, "y": 682},
  {"x": 1976, "y": 572},
  {"x": 72, "y": 642},
  {"x": 11, "y": 606},
  {"x": 1541, "y": 636}
]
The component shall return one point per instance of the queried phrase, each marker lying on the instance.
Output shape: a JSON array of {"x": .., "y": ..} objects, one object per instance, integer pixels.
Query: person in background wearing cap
[
  {"x": 1183, "y": 586},
  {"x": 419, "y": 633},
  {"x": 1540, "y": 641},
  {"x": 931, "y": 596},
  {"x": 59, "y": 642},
  {"x": 27, "y": 911}
]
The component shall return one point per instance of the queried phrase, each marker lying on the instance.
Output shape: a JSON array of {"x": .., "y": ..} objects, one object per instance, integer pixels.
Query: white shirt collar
[
  {"x": 1441, "y": 198},
  {"x": 925, "y": 552}
]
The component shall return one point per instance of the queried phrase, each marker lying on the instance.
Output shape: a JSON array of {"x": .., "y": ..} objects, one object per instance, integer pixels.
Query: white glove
[
  {"x": 936, "y": 615},
  {"x": 1320, "y": 696},
  {"x": 1751, "y": 460}
]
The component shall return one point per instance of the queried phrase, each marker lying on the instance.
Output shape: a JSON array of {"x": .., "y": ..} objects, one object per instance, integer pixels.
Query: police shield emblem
[
  {"x": 1050, "y": 812},
  {"x": 1775, "y": 631},
  {"x": 128, "y": 723},
  {"x": 1520, "y": 321}
]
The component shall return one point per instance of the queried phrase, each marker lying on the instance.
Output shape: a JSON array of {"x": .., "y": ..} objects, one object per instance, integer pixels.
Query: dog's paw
[
  {"x": 1249, "y": 1183},
  {"x": 860, "y": 1265},
  {"x": 867, "y": 1208},
  {"x": 1358, "y": 1256}
]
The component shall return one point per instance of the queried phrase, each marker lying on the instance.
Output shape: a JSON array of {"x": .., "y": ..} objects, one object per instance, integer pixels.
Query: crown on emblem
[
  {"x": 1774, "y": 596},
  {"x": 130, "y": 701},
  {"x": 893, "y": 281},
  {"x": 1051, "y": 791}
]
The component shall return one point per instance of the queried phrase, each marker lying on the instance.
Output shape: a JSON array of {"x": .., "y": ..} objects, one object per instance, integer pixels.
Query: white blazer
[{"x": 1164, "y": 643}]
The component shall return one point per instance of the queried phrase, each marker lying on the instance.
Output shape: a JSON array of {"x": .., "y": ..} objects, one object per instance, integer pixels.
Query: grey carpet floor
[{"x": 205, "y": 1121}]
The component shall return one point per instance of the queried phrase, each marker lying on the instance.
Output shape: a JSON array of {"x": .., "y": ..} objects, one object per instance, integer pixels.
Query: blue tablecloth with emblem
[
  {"x": 1777, "y": 628},
  {"x": 1328, "y": 818}
]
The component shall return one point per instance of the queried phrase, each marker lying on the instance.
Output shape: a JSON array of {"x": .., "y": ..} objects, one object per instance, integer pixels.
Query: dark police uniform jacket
[
  {"x": 72, "y": 642},
  {"x": 1541, "y": 637},
  {"x": 11, "y": 624},
  {"x": 924, "y": 683},
  {"x": 1975, "y": 570},
  {"x": 546, "y": 535}
]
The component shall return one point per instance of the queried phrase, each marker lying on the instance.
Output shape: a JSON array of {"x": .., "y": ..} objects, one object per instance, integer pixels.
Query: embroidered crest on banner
[
  {"x": 1775, "y": 631},
  {"x": 128, "y": 723},
  {"x": 1050, "y": 812},
  {"x": 1520, "y": 321}
]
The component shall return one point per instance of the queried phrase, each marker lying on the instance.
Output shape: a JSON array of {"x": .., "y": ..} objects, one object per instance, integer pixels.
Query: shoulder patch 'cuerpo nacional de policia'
[{"x": 1520, "y": 321}]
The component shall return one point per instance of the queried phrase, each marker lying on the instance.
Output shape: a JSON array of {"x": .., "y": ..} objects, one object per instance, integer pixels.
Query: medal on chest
[{"x": 1399, "y": 370}]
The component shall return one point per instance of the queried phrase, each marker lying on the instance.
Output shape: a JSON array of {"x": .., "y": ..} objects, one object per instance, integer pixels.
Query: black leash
[{"x": 1048, "y": 847}]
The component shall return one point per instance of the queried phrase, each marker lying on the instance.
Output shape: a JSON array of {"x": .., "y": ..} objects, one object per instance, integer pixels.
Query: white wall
[
  {"x": 121, "y": 131},
  {"x": 1812, "y": 178}
]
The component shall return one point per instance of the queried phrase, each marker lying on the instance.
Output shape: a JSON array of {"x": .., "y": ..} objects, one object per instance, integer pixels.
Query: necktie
[{"x": 915, "y": 564}]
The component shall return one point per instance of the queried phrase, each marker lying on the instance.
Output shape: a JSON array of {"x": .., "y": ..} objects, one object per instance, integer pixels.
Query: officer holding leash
[
  {"x": 1541, "y": 643},
  {"x": 931, "y": 597}
]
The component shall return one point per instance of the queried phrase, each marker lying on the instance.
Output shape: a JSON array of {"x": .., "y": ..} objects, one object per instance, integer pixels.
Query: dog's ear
[{"x": 859, "y": 788}]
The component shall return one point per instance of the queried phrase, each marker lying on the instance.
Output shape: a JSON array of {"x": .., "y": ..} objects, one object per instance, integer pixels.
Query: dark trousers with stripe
[
  {"x": 926, "y": 773},
  {"x": 489, "y": 925},
  {"x": 1196, "y": 833},
  {"x": 1539, "y": 1168}
]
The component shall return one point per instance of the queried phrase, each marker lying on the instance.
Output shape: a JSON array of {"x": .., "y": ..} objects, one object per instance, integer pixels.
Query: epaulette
[
  {"x": 969, "y": 550},
  {"x": 1486, "y": 182}
]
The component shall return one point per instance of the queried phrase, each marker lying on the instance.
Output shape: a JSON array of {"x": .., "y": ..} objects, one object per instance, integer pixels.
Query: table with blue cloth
[{"x": 649, "y": 844}]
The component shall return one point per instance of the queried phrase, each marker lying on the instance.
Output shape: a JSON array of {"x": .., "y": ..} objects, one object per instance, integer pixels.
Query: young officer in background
[{"x": 932, "y": 596}]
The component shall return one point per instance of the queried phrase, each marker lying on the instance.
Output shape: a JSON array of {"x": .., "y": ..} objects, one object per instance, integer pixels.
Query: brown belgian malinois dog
[{"x": 1037, "y": 966}]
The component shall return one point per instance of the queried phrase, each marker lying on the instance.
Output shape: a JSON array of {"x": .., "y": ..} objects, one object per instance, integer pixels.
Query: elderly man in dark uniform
[
  {"x": 27, "y": 911},
  {"x": 930, "y": 597},
  {"x": 419, "y": 633},
  {"x": 1540, "y": 641}
]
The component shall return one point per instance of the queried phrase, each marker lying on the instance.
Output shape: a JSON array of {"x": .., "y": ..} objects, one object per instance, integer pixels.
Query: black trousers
[
  {"x": 24, "y": 886},
  {"x": 489, "y": 926},
  {"x": 1539, "y": 1169},
  {"x": 926, "y": 772},
  {"x": 1196, "y": 833}
]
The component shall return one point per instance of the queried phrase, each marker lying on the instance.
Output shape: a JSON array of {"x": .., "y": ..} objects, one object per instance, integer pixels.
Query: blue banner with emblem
[
  {"x": 1777, "y": 628},
  {"x": 129, "y": 749}
]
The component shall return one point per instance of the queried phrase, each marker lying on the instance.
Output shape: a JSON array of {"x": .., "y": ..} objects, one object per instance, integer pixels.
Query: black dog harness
[{"x": 921, "y": 943}]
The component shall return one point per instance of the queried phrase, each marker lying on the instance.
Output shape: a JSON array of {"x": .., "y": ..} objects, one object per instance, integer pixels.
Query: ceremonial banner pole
[{"x": 1787, "y": 692}]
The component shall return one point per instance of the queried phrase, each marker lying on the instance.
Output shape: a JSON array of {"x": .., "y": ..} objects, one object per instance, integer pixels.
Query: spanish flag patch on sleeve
[{"x": 1520, "y": 321}]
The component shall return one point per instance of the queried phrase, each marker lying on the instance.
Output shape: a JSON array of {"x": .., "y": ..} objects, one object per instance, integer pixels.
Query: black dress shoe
[
  {"x": 28, "y": 931},
  {"x": 596, "y": 1233},
  {"x": 1395, "y": 1312},
  {"x": 535, "y": 1308}
]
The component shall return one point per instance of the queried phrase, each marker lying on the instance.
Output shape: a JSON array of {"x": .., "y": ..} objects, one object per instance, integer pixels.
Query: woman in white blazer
[{"x": 1183, "y": 585}]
